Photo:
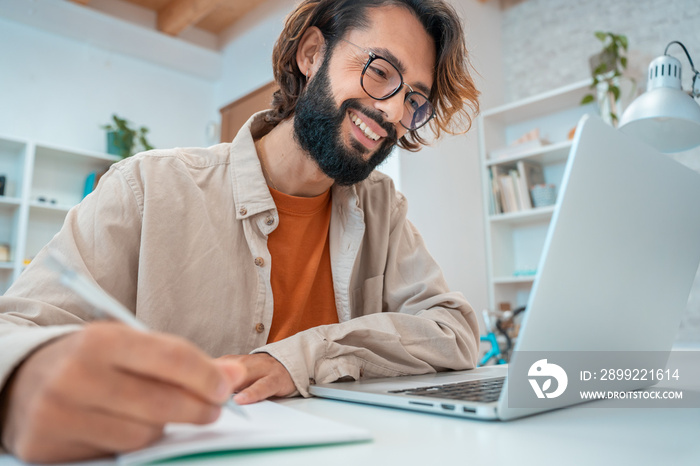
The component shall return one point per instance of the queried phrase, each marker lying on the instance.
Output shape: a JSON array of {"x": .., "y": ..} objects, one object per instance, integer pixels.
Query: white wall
[
  {"x": 247, "y": 55},
  {"x": 546, "y": 43},
  {"x": 60, "y": 90},
  {"x": 443, "y": 182}
]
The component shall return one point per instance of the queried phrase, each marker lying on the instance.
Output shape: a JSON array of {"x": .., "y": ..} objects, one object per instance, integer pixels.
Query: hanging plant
[{"x": 606, "y": 70}]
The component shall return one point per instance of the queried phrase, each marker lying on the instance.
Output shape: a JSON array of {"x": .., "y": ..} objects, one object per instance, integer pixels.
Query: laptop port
[
  {"x": 468, "y": 410},
  {"x": 446, "y": 406},
  {"x": 411, "y": 402}
]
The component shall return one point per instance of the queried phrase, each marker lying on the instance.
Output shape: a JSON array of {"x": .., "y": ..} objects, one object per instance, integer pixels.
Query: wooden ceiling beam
[{"x": 177, "y": 15}]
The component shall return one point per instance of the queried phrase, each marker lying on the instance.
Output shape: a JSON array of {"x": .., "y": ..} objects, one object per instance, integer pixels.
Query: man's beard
[{"x": 317, "y": 129}]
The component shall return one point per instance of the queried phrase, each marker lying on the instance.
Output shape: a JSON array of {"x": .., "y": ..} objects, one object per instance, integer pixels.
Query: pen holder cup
[{"x": 543, "y": 195}]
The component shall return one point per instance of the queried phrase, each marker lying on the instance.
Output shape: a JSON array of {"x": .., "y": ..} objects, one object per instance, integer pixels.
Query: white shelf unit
[
  {"x": 515, "y": 240},
  {"x": 43, "y": 182}
]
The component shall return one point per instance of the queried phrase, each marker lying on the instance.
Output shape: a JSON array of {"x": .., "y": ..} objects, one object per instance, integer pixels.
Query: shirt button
[
  {"x": 260, "y": 328},
  {"x": 259, "y": 261},
  {"x": 270, "y": 220},
  {"x": 243, "y": 211}
]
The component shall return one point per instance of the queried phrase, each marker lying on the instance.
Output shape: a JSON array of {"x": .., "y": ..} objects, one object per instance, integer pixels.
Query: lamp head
[{"x": 665, "y": 117}]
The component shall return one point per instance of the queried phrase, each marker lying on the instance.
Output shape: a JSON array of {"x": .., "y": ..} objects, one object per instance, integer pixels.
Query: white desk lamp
[{"x": 666, "y": 117}]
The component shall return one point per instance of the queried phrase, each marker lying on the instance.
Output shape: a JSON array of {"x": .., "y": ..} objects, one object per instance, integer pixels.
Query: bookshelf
[
  {"x": 515, "y": 236},
  {"x": 42, "y": 183}
]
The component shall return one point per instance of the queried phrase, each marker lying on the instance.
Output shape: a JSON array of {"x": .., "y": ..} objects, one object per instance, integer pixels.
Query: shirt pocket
[{"x": 369, "y": 298}]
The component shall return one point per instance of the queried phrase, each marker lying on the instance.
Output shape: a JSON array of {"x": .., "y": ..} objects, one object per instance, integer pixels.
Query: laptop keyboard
[{"x": 484, "y": 391}]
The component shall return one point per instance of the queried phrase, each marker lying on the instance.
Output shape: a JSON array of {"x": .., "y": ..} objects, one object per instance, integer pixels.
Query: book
[
  {"x": 496, "y": 196},
  {"x": 531, "y": 174},
  {"x": 523, "y": 191},
  {"x": 510, "y": 202},
  {"x": 270, "y": 425},
  {"x": 519, "y": 202}
]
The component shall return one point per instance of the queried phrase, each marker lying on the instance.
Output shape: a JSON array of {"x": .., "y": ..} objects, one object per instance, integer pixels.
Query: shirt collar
[{"x": 250, "y": 192}]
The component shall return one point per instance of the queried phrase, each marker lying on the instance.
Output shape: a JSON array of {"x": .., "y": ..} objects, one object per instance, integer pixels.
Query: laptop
[{"x": 618, "y": 263}]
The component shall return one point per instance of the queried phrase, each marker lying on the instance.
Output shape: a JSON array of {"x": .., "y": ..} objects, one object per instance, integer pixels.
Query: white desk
[
  {"x": 580, "y": 435},
  {"x": 575, "y": 436}
]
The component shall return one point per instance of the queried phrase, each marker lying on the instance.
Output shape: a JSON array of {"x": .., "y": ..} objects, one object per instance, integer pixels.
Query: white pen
[{"x": 103, "y": 302}]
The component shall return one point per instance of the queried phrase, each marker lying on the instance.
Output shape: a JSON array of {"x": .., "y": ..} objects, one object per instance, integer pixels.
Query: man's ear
[{"x": 310, "y": 51}]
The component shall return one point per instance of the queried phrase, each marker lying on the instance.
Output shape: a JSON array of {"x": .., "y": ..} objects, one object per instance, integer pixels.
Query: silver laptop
[{"x": 618, "y": 263}]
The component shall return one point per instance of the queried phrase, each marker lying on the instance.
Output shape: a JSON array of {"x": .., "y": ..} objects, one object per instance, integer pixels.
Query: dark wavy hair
[{"x": 453, "y": 94}]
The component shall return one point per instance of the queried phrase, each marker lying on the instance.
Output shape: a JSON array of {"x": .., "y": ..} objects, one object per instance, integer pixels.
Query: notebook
[
  {"x": 619, "y": 259},
  {"x": 269, "y": 425}
]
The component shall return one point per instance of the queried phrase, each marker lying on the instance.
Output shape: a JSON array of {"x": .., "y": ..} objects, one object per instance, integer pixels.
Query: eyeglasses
[{"x": 381, "y": 80}]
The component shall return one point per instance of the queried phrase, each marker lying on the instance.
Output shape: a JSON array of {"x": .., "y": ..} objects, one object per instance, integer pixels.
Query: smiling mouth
[{"x": 363, "y": 126}]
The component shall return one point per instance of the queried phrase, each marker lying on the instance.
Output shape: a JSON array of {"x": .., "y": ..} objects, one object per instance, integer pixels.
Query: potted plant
[
  {"x": 606, "y": 71},
  {"x": 123, "y": 139}
]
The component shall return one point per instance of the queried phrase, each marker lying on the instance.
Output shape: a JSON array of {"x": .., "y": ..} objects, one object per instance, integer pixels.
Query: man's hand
[
  {"x": 263, "y": 377},
  {"x": 108, "y": 389}
]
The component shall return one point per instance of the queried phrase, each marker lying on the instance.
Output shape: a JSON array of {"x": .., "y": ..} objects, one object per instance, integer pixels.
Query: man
[{"x": 282, "y": 254}]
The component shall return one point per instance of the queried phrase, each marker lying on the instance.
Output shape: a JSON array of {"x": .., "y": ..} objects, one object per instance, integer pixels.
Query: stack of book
[{"x": 511, "y": 185}]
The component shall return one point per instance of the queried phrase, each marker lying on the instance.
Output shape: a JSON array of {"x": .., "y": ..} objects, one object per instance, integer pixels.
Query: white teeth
[{"x": 363, "y": 126}]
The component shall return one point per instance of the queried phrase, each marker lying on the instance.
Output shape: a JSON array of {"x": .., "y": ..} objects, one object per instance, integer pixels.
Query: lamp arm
[{"x": 695, "y": 89}]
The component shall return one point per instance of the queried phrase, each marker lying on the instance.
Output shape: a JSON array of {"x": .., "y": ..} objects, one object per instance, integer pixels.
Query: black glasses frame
[{"x": 373, "y": 56}]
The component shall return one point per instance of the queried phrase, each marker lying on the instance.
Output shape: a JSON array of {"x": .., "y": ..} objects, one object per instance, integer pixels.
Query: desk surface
[{"x": 580, "y": 435}]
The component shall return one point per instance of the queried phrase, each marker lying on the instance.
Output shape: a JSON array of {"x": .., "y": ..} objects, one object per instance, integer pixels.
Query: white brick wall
[{"x": 547, "y": 43}]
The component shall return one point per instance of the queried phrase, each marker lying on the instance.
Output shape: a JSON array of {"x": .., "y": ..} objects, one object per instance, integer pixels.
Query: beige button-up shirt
[{"x": 180, "y": 237}]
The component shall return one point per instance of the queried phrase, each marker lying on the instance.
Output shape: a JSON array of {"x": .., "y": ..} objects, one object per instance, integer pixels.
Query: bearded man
[{"x": 263, "y": 265}]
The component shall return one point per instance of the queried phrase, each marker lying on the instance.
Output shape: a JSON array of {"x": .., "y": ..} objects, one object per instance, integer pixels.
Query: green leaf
[
  {"x": 600, "y": 69},
  {"x": 623, "y": 41},
  {"x": 601, "y": 35},
  {"x": 613, "y": 116},
  {"x": 587, "y": 99},
  {"x": 126, "y": 137},
  {"x": 615, "y": 91},
  {"x": 623, "y": 62}
]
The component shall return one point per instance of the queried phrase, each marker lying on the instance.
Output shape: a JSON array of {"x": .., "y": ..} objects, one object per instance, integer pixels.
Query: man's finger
[
  {"x": 252, "y": 368},
  {"x": 146, "y": 400},
  {"x": 168, "y": 358},
  {"x": 262, "y": 376},
  {"x": 88, "y": 435},
  {"x": 260, "y": 390},
  {"x": 116, "y": 434},
  {"x": 235, "y": 371}
]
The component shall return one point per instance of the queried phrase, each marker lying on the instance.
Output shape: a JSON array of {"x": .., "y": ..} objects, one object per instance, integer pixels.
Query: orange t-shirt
[{"x": 302, "y": 282}]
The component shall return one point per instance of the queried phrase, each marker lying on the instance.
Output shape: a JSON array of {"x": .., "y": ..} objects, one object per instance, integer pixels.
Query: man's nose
[{"x": 393, "y": 107}]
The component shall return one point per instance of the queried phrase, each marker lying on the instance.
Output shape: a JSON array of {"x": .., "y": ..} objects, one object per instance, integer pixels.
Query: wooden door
[{"x": 235, "y": 114}]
